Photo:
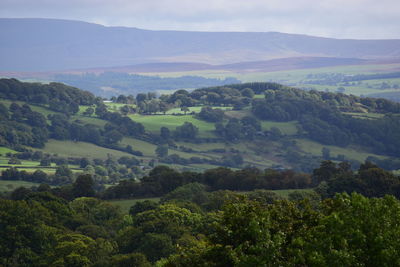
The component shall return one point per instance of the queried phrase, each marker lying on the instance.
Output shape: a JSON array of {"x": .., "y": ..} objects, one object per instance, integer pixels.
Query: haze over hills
[{"x": 51, "y": 44}]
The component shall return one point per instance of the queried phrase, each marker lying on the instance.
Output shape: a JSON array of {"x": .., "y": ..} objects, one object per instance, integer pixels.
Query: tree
[
  {"x": 142, "y": 206},
  {"x": 211, "y": 115},
  {"x": 14, "y": 161},
  {"x": 326, "y": 153},
  {"x": 45, "y": 162},
  {"x": 39, "y": 176},
  {"x": 156, "y": 246},
  {"x": 63, "y": 170},
  {"x": 112, "y": 137},
  {"x": 84, "y": 162},
  {"x": 187, "y": 131},
  {"x": 83, "y": 186},
  {"x": 165, "y": 133},
  {"x": 124, "y": 110},
  {"x": 162, "y": 151},
  {"x": 275, "y": 133},
  {"x": 185, "y": 109},
  {"x": 248, "y": 92},
  {"x": 88, "y": 112},
  {"x": 141, "y": 97},
  {"x": 101, "y": 110},
  {"x": 163, "y": 107}
]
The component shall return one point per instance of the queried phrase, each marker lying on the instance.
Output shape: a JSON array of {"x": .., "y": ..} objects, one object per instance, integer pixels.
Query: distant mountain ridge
[{"x": 50, "y": 44}]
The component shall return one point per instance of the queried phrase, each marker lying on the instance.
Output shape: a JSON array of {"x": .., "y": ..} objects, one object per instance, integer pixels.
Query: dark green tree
[{"x": 83, "y": 186}]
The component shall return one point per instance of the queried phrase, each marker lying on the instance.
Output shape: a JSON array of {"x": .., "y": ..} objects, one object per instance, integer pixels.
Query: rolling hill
[
  {"x": 50, "y": 44},
  {"x": 255, "y": 124}
]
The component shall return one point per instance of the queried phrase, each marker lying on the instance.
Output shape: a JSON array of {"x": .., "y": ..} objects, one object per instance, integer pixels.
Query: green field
[
  {"x": 145, "y": 147},
  {"x": 27, "y": 163},
  {"x": 89, "y": 120},
  {"x": 350, "y": 152},
  {"x": 5, "y": 150},
  {"x": 33, "y": 169},
  {"x": 365, "y": 115},
  {"x": 193, "y": 109},
  {"x": 259, "y": 96},
  {"x": 32, "y": 166},
  {"x": 113, "y": 107},
  {"x": 79, "y": 149},
  {"x": 287, "y": 128},
  {"x": 153, "y": 123},
  {"x": 11, "y": 185}
]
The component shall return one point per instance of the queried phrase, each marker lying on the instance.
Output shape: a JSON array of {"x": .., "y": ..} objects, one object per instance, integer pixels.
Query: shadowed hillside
[{"x": 49, "y": 44}]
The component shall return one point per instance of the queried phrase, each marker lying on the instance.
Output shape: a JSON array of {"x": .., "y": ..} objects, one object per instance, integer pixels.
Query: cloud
[{"x": 366, "y": 19}]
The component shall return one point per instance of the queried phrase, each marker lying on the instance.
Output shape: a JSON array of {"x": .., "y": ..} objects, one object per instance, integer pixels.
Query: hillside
[
  {"x": 49, "y": 44},
  {"x": 264, "y": 125}
]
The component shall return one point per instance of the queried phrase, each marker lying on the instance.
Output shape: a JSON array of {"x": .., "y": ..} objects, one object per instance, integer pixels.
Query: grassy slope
[
  {"x": 5, "y": 150},
  {"x": 89, "y": 120},
  {"x": 365, "y": 115},
  {"x": 287, "y": 128},
  {"x": 192, "y": 109},
  {"x": 80, "y": 149},
  {"x": 350, "y": 152},
  {"x": 153, "y": 123},
  {"x": 11, "y": 185}
]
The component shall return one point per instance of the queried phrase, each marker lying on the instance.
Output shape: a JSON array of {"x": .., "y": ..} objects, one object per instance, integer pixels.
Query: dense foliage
[
  {"x": 193, "y": 225},
  {"x": 19, "y": 125},
  {"x": 163, "y": 179},
  {"x": 58, "y": 96}
]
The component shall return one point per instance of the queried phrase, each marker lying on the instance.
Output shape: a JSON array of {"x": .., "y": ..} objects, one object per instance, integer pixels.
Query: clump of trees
[
  {"x": 59, "y": 97},
  {"x": 211, "y": 115}
]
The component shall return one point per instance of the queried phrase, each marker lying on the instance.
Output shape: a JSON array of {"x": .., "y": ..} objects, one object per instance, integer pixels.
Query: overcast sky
[{"x": 359, "y": 19}]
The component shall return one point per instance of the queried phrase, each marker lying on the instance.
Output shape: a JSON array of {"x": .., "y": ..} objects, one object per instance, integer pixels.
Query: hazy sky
[{"x": 361, "y": 19}]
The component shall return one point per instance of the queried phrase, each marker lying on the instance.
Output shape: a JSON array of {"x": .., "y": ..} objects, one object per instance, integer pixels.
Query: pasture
[
  {"x": 5, "y": 150},
  {"x": 153, "y": 123},
  {"x": 6, "y": 186},
  {"x": 287, "y": 128},
  {"x": 80, "y": 149},
  {"x": 193, "y": 109},
  {"x": 315, "y": 148}
]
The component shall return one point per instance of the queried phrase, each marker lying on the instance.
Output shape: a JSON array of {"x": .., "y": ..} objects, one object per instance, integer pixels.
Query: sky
[{"x": 355, "y": 19}]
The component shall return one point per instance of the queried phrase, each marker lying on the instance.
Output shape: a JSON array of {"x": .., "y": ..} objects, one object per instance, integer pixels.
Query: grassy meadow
[
  {"x": 6, "y": 186},
  {"x": 315, "y": 148},
  {"x": 79, "y": 149},
  {"x": 153, "y": 123}
]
